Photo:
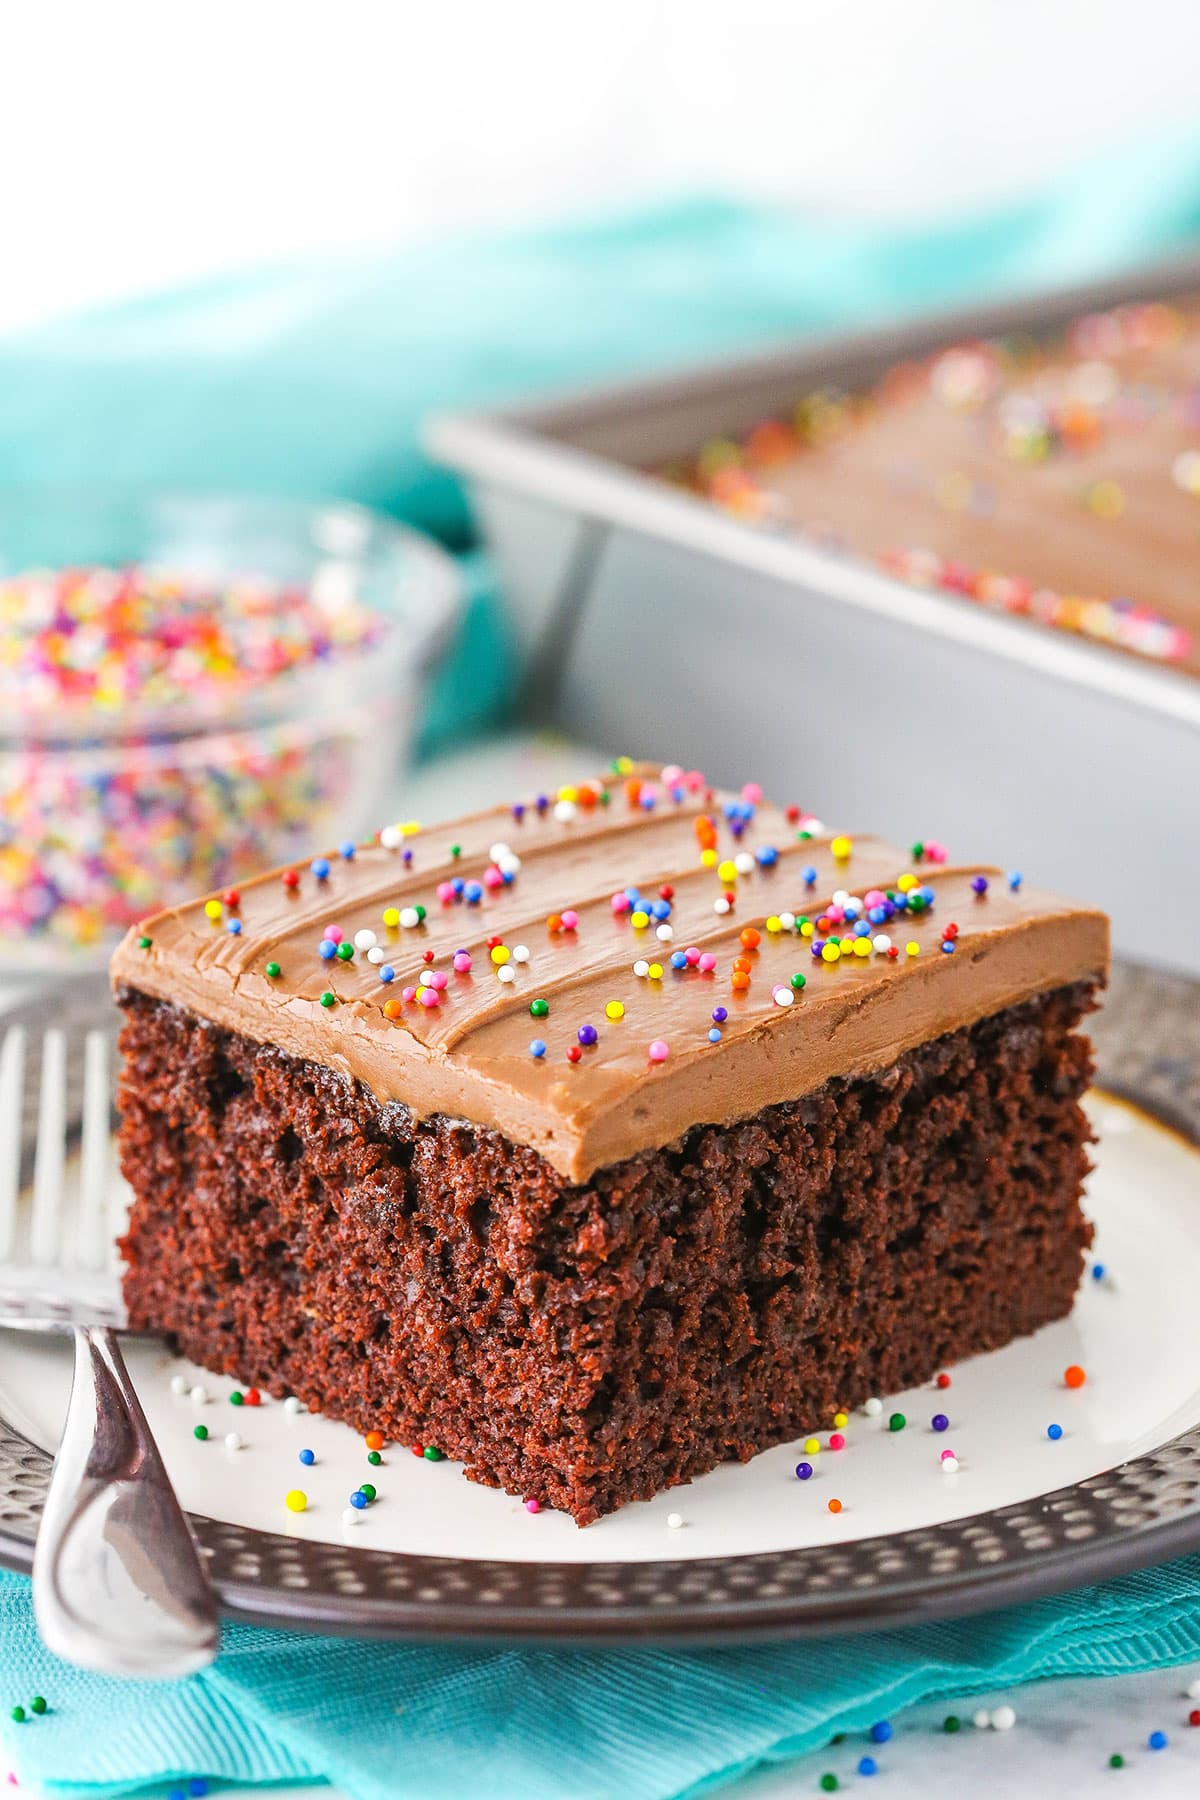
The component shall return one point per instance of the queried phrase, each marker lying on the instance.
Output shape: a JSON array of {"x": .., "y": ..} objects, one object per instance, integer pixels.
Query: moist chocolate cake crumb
[{"x": 588, "y": 1345}]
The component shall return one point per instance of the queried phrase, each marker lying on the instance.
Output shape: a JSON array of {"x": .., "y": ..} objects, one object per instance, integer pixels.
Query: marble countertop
[{"x": 1060, "y": 1746}]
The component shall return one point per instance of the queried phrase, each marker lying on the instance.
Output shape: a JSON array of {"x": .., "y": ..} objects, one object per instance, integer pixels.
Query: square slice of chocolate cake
[{"x": 600, "y": 1139}]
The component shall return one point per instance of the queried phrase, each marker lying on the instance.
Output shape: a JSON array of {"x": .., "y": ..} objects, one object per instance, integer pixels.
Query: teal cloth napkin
[
  {"x": 311, "y": 381},
  {"x": 388, "y": 1721}
]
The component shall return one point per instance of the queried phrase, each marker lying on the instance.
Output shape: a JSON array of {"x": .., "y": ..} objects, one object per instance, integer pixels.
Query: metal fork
[{"x": 118, "y": 1584}]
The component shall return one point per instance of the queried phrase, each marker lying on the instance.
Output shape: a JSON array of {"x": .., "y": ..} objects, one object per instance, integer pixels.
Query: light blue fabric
[
  {"x": 436, "y": 1722},
  {"x": 311, "y": 381}
]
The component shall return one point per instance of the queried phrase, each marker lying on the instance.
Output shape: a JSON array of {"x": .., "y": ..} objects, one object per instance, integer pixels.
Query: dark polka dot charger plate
[{"x": 1143, "y": 1511}]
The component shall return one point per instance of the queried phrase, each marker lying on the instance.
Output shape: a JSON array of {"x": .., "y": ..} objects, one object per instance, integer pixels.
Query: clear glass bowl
[{"x": 107, "y": 813}]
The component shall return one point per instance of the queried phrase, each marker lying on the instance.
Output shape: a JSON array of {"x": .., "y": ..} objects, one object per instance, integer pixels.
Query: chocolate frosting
[{"x": 469, "y": 1057}]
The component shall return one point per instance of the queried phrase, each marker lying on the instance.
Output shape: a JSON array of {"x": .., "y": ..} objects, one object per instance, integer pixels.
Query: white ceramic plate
[{"x": 1135, "y": 1331}]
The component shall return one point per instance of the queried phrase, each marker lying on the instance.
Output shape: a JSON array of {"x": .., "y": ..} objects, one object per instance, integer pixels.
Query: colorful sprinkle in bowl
[{"x": 193, "y": 688}]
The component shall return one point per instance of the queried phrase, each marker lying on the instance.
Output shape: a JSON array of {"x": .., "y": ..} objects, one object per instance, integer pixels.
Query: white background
[{"x": 145, "y": 144}]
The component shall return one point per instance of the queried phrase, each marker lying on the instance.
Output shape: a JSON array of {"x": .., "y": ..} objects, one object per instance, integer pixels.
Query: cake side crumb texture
[{"x": 588, "y": 1344}]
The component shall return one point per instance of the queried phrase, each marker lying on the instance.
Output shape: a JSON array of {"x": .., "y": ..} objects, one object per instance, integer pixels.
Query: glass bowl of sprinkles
[{"x": 193, "y": 688}]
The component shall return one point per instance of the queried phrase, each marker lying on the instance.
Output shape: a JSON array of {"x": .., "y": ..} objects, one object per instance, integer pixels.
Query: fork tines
[{"x": 69, "y": 1217}]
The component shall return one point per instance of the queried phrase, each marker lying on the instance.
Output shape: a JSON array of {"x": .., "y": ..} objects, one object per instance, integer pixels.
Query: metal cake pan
[{"x": 649, "y": 620}]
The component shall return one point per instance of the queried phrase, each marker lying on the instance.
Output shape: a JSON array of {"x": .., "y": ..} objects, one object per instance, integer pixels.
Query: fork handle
[{"x": 118, "y": 1585}]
